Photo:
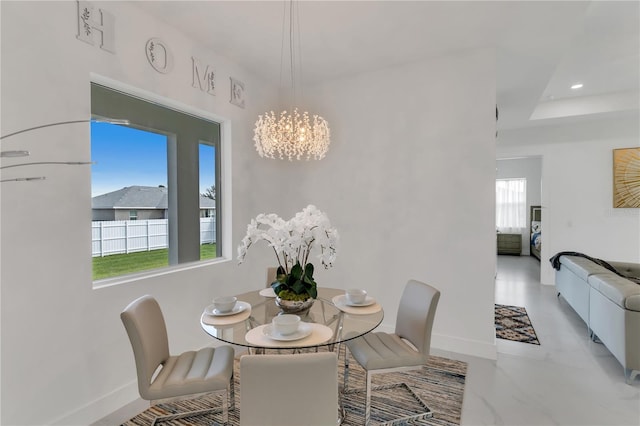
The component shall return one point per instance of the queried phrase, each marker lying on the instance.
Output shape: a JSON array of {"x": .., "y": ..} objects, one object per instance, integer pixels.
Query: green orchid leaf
[
  {"x": 296, "y": 271},
  {"x": 291, "y": 280},
  {"x": 278, "y": 287},
  {"x": 298, "y": 287},
  {"x": 313, "y": 292},
  {"x": 308, "y": 270}
]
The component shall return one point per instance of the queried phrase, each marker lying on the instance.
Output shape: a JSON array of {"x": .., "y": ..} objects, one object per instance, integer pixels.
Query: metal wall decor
[{"x": 24, "y": 153}]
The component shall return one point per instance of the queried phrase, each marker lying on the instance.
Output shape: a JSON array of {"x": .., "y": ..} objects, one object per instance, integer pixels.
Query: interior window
[{"x": 511, "y": 203}]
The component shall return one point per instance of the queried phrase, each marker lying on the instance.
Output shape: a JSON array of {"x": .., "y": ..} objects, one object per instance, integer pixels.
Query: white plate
[
  {"x": 303, "y": 331},
  {"x": 342, "y": 299},
  {"x": 267, "y": 292},
  {"x": 368, "y": 301},
  {"x": 240, "y": 307}
]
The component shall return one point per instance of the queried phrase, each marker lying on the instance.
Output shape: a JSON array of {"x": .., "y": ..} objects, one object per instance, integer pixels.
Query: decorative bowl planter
[{"x": 293, "y": 306}]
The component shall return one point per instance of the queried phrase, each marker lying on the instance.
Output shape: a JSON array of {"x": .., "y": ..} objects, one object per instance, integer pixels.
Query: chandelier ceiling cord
[{"x": 291, "y": 134}]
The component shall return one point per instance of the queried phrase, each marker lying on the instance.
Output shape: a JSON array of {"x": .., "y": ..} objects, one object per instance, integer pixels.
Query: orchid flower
[{"x": 292, "y": 241}]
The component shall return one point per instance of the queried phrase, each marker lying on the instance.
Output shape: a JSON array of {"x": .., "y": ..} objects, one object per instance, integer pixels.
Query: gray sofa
[{"x": 608, "y": 304}]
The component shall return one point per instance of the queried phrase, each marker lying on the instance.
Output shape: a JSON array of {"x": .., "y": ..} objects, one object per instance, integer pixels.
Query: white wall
[
  {"x": 412, "y": 164},
  {"x": 530, "y": 169},
  {"x": 65, "y": 355},
  {"x": 409, "y": 182},
  {"x": 577, "y": 188}
]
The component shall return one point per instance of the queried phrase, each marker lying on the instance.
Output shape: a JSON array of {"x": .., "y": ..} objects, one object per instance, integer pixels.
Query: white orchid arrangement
[{"x": 292, "y": 241}]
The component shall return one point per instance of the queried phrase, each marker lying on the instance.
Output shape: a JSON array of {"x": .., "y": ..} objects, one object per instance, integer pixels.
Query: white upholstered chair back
[
  {"x": 272, "y": 273},
  {"x": 188, "y": 374},
  {"x": 289, "y": 389},
  {"x": 147, "y": 332},
  {"x": 416, "y": 313}
]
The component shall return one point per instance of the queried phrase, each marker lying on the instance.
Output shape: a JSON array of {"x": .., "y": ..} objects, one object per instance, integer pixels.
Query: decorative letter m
[{"x": 203, "y": 80}]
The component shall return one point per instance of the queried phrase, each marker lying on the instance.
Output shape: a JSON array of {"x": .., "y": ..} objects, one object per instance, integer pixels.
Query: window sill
[{"x": 125, "y": 279}]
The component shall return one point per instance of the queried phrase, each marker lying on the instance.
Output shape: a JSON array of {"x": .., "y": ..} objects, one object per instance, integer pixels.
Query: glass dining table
[{"x": 330, "y": 321}]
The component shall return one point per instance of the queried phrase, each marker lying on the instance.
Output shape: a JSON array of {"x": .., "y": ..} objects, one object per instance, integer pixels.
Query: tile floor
[{"x": 567, "y": 380}]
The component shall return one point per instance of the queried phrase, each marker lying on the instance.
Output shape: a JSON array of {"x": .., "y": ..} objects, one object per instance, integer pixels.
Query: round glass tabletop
[{"x": 329, "y": 321}]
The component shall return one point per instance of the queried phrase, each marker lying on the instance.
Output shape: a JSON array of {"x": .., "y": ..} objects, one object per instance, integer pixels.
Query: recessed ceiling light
[{"x": 577, "y": 86}]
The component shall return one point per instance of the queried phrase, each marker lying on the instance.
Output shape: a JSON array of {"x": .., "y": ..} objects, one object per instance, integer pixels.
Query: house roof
[{"x": 140, "y": 197}]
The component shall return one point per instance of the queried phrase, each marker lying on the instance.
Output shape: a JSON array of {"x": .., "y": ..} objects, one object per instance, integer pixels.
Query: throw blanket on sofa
[{"x": 555, "y": 262}]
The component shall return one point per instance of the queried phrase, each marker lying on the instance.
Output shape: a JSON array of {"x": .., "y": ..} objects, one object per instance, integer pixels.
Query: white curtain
[{"x": 511, "y": 203}]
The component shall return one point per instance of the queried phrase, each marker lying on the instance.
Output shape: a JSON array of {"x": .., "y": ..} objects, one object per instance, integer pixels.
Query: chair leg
[
  {"x": 367, "y": 403},
  {"x": 630, "y": 375},
  {"x": 345, "y": 387},
  {"x": 224, "y": 410},
  {"x": 232, "y": 394},
  {"x": 369, "y": 389},
  {"x": 225, "y": 406},
  {"x": 160, "y": 419}
]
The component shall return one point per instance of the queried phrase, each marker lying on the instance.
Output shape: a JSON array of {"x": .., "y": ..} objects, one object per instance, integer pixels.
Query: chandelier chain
[
  {"x": 299, "y": 56},
  {"x": 291, "y": 55},
  {"x": 292, "y": 134}
]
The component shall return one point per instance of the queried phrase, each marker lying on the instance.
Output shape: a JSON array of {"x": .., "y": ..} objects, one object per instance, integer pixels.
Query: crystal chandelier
[{"x": 291, "y": 134}]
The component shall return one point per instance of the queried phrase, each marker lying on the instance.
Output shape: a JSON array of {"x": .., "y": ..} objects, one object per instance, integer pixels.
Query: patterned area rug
[
  {"x": 513, "y": 323},
  {"x": 440, "y": 384}
]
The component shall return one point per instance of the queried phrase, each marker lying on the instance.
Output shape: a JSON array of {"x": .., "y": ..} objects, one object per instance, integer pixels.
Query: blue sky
[{"x": 125, "y": 156}]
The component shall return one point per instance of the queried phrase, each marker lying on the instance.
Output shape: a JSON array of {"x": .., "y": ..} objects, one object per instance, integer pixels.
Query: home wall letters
[{"x": 96, "y": 22}]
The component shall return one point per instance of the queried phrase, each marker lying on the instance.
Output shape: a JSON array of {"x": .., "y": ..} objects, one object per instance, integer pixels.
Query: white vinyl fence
[{"x": 128, "y": 236}]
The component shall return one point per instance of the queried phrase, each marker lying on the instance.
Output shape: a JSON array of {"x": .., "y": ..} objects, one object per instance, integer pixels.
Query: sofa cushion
[
  {"x": 582, "y": 267},
  {"x": 620, "y": 291},
  {"x": 627, "y": 268}
]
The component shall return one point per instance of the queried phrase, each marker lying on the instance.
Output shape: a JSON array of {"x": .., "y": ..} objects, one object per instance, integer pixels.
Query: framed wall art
[{"x": 626, "y": 178}]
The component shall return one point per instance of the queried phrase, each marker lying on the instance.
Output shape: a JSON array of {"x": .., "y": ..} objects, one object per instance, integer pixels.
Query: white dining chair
[
  {"x": 272, "y": 274},
  {"x": 289, "y": 390},
  {"x": 162, "y": 376},
  {"x": 389, "y": 352}
]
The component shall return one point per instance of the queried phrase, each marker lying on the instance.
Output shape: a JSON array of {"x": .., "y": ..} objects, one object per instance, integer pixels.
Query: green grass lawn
[{"x": 122, "y": 264}]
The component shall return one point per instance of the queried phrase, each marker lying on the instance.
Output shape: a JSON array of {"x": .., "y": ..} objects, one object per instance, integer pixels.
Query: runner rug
[
  {"x": 440, "y": 384},
  {"x": 513, "y": 323}
]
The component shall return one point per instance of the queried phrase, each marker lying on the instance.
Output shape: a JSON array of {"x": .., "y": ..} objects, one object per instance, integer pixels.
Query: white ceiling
[{"x": 542, "y": 47}]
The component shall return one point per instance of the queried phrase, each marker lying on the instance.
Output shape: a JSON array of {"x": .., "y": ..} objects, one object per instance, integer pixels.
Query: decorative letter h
[{"x": 104, "y": 24}]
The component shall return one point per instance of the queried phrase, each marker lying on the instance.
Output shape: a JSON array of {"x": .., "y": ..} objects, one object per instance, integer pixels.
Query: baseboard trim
[
  {"x": 465, "y": 346},
  {"x": 100, "y": 408}
]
